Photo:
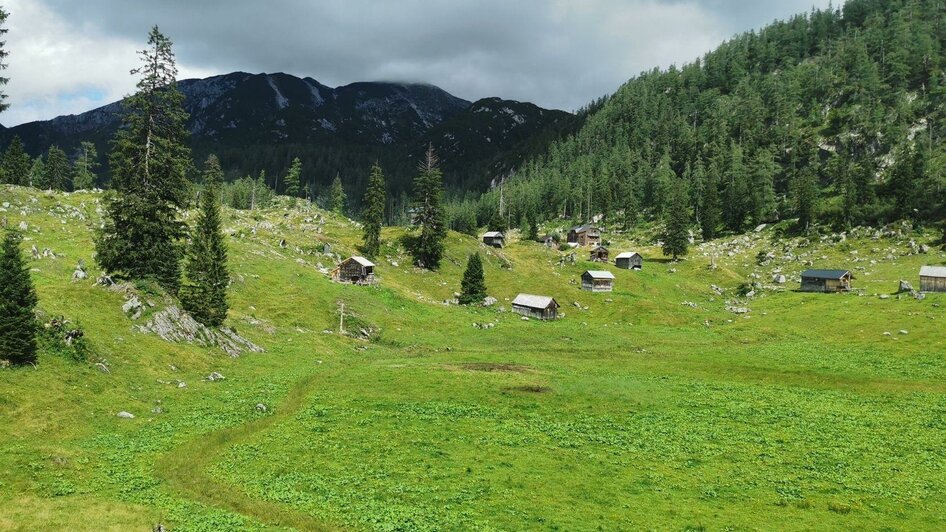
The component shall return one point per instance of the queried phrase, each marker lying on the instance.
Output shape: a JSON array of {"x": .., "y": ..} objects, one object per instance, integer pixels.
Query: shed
[
  {"x": 933, "y": 279},
  {"x": 495, "y": 239},
  {"x": 539, "y": 307},
  {"x": 549, "y": 241},
  {"x": 629, "y": 260},
  {"x": 826, "y": 281},
  {"x": 357, "y": 270},
  {"x": 584, "y": 235},
  {"x": 597, "y": 281},
  {"x": 599, "y": 254}
]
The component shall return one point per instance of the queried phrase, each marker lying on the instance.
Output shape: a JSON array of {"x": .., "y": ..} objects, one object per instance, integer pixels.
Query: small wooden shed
[
  {"x": 826, "y": 281},
  {"x": 933, "y": 279},
  {"x": 629, "y": 260},
  {"x": 495, "y": 239},
  {"x": 548, "y": 241},
  {"x": 538, "y": 307},
  {"x": 597, "y": 281},
  {"x": 584, "y": 235},
  {"x": 599, "y": 254},
  {"x": 357, "y": 270}
]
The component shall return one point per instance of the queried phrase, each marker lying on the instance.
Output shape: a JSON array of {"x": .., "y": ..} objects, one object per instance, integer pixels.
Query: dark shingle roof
[{"x": 825, "y": 274}]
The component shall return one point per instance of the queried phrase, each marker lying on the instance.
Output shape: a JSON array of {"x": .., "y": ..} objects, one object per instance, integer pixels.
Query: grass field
[{"x": 633, "y": 411}]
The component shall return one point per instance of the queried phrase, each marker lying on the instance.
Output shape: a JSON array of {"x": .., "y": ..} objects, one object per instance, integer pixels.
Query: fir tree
[
  {"x": 294, "y": 178},
  {"x": 204, "y": 292},
  {"x": 17, "y": 303},
  {"x": 532, "y": 227},
  {"x": 373, "y": 215},
  {"x": 805, "y": 192},
  {"x": 497, "y": 222},
  {"x": 337, "y": 196},
  {"x": 710, "y": 215},
  {"x": 37, "y": 174},
  {"x": 676, "y": 235},
  {"x": 149, "y": 164},
  {"x": 84, "y": 177},
  {"x": 58, "y": 171},
  {"x": 473, "y": 285},
  {"x": 428, "y": 215},
  {"x": 16, "y": 162}
]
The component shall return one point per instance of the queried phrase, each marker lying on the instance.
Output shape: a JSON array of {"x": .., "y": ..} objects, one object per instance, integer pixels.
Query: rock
[
  {"x": 524, "y": 318},
  {"x": 102, "y": 367},
  {"x": 919, "y": 296},
  {"x": 924, "y": 248},
  {"x": 174, "y": 325},
  {"x": 23, "y": 226},
  {"x": 80, "y": 273},
  {"x": 689, "y": 304},
  {"x": 215, "y": 376},
  {"x": 718, "y": 290},
  {"x": 489, "y": 301},
  {"x": 884, "y": 296},
  {"x": 902, "y": 331},
  {"x": 157, "y": 410},
  {"x": 886, "y": 333},
  {"x": 182, "y": 384},
  {"x": 779, "y": 279},
  {"x": 126, "y": 415},
  {"x": 133, "y": 307},
  {"x": 104, "y": 280},
  {"x": 904, "y": 287},
  {"x": 34, "y": 252},
  {"x": 260, "y": 407},
  {"x": 738, "y": 310}
]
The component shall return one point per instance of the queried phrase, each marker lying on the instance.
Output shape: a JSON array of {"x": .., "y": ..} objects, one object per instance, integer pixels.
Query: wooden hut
[
  {"x": 629, "y": 260},
  {"x": 357, "y": 270},
  {"x": 538, "y": 307},
  {"x": 826, "y": 281},
  {"x": 584, "y": 235},
  {"x": 495, "y": 239},
  {"x": 933, "y": 279},
  {"x": 599, "y": 254},
  {"x": 597, "y": 281},
  {"x": 548, "y": 241}
]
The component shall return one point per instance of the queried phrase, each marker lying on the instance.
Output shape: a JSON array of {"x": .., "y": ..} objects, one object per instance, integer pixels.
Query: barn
[
  {"x": 599, "y": 254},
  {"x": 538, "y": 307},
  {"x": 933, "y": 279},
  {"x": 495, "y": 239},
  {"x": 584, "y": 235},
  {"x": 357, "y": 270},
  {"x": 826, "y": 281},
  {"x": 597, "y": 281},
  {"x": 629, "y": 260}
]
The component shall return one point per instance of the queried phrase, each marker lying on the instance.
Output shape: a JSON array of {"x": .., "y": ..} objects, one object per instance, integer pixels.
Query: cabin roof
[
  {"x": 599, "y": 248},
  {"x": 627, "y": 255},
  {"x": 825, "y": 274},
  {"x": 584, "y": 228},
  {"x": 599, "y": 274},
  {"x": 361, "y": 260},
  {"x": 493, "y": 234},
  {"x": 933, "y": 271},
  {"x": 531, "y": 301}
]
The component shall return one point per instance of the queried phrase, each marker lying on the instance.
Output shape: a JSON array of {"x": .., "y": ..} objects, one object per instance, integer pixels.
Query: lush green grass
[{"x": 635, "y": 412}]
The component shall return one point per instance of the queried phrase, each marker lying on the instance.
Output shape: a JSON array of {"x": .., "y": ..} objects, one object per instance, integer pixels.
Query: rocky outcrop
[{"x": 174, "y": 325}]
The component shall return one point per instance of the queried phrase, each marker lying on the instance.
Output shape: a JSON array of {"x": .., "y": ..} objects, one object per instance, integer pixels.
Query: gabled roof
[
  {"x": 531, "y": 301},
  {"x": 825, "y": 274},
  {"x": 361, "y": 260},
  {"x": 599, "y": 274},
  {"x": 583, "y": 228},
  {"x": 493, "y": 234},
  {"x": 628, "y": 255},
  {"x": 596, "y": 248},
  {"x": 933, "y": 271}
]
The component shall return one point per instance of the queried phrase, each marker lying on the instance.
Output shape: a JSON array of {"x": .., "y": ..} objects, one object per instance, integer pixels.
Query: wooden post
[{"x": 341, "y": 319}]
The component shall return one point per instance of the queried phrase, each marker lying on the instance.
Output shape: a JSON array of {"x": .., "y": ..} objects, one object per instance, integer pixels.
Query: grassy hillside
[{"x": 650, "y": 407}]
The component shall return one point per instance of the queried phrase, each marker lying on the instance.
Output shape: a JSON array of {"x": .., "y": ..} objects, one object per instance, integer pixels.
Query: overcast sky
[{"x": 69, "y": 56}]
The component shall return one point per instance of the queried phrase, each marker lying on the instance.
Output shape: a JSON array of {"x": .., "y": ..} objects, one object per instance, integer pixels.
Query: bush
[{"x": 59, "y": 336}]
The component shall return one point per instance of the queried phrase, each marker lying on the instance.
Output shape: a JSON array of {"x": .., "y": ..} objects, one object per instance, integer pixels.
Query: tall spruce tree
[
  {"x": 337, "y": 196},
  {"x": 84, "y": 176},
  {"x": 149, "y": 164},
  {"x": 805, "y": 195},
  {"x": 204, "y": 292},
  {"x": 17, "y": 303},
  {"x": 676, "y": 234},
  {"x": 37, "y": 173},
  {"x": 376, "y": 197},
  {"x": 293, "y": 178},
  {"x": 58, "y": 170},
  {"x": 16, "y": 163},
  {"x": 473, "y": 284},
  {"x": 428, "y": 215}
]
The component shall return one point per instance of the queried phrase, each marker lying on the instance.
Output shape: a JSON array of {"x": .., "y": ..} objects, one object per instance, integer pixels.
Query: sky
[{"x": 69, "y": 56}]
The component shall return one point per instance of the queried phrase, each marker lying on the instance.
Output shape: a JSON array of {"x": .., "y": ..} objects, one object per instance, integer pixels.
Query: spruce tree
[
  {"x": 676, "y": 235},
  {"x": 58, "y": 170},
  {"x": 293, "y": 178},
  {"x": 37, "y": 173},
  {"x": 337, "y": 196},
  {"x": 373, "y": 215},
  {"x": 204, "y": 292},
  {"x": 428, "y": 215},
  {"x": 710, "y": 216},
  {"x": 17, "y": 303},
  {"x": 497, "y": 222},
  {"x": 84, "y": 177},
  {"x": 805, "y": 195},
  {"x": 16, "y": 162},
  {"x": 473, "y": 285},
  {"x": 149, "y": 164}
]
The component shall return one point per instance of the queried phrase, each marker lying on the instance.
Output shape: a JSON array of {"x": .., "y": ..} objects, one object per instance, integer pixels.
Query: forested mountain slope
[{"x": 835, "y": 116}]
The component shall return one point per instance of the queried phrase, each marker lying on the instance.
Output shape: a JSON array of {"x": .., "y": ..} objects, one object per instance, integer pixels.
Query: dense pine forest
[{"x": 835, "y": 117}]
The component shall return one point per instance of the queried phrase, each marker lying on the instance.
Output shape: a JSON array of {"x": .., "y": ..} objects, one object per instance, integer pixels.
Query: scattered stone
[
  {"x": 174, "y": 325},
  {"x": 133, "y": 307},
  {"x": 126, "y": 415},
  {"x": 886, "y": 333},
  {"x": 919, "y": 296},
  {"x": 80, "y": 273},
  {"x": 104, "y": 280},
  {"x": 157, "y": 410},
  {"x": 489, "y": 301},
  {"x": 779, "y": 279},
  {"x": 902, "y": 331},
  {"x": 215, "y": 376},
  {"x": 260, "y": 407},
  {"x": 101, "y": 366},
  {"x": 905, "y": 287},
  {"x": 182, "y": 384},
  {"x": 718, "y": 290},
  {"x": 23, "y": 226},
  {"x": 689, "y": 304},
  {"x": 738, "y": 310},
  {"x": 884, "y": 296},
  {"x": 34, "y": 252},
  {"x": 525, "y": 318}
]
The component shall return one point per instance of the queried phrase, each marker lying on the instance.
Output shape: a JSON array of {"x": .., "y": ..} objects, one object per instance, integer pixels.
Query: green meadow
[{"x": 650, "y": 407}]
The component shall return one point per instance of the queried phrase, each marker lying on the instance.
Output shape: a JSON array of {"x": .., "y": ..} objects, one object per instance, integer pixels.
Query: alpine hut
[
  {"x": 597, "y": 281},
  {"x": 495, "y": 239},
  {"x": 933, "y": 279},
  {"x": 629, "y": 260},
  {"x": 539, "y": 307},
  {"x": 599, "y": 254},
  {"x": 548, "y": 241},
  {"x": 826, "y": 281},
  {"x": 584, "y": 235},
  {"x": 357, "y": 270}
]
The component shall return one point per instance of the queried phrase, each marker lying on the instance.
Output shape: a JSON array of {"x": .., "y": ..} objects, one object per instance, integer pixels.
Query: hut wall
[{"x": 932, "y": 284}]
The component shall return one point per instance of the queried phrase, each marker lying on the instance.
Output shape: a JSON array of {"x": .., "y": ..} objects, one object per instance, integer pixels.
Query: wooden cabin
[
  {"x": 933, "y": 279},
  {"x": 629, "y": 260},
  {"x": 538, "y": 307},
  {"x": 584, "y": 235},
  {"x": 356, "y": 270},
  {"x": 548, "y": 241},
  {"x": 599, "y": 254},
  {"x": 495, "y": 239},
  {"x": 597, "y": 281},
  {"x": 826, "y": 281}
]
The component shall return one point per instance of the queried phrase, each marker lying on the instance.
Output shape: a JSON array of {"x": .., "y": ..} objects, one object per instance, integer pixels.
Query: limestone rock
[
  {"x": 126, "y": 415},
  {"x": 174, "y": 325}
]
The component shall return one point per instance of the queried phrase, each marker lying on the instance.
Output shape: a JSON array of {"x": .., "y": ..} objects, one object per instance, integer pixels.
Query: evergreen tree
[
  {"x": 375, "y": 199},
  {"x": 294, "y": 178},
  {"x": 337, "y": 196},
  {"x": 676, "y": 235},
  {"x": 762, "y": 191},
  {"x": 710, "y": 215},
  {"x": 16, "y": 162},
  {"x": 737, "y": 189},
  {"x": 17, "y": 303},
  {"x": 473, "y": 285},
  {"x": 805, "y": 191},
  {"x": 58, "y": 170},
  {"x": 497, "y": 222},
  {"x": 84, "y": 177},
  {"x": 532, "y": 227},
  {"x": 38, "y": 174},
  {"x": 149, "y": 164},
  {"x": 204, "y": 292},
  {"x": 428, "y": 214}
]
